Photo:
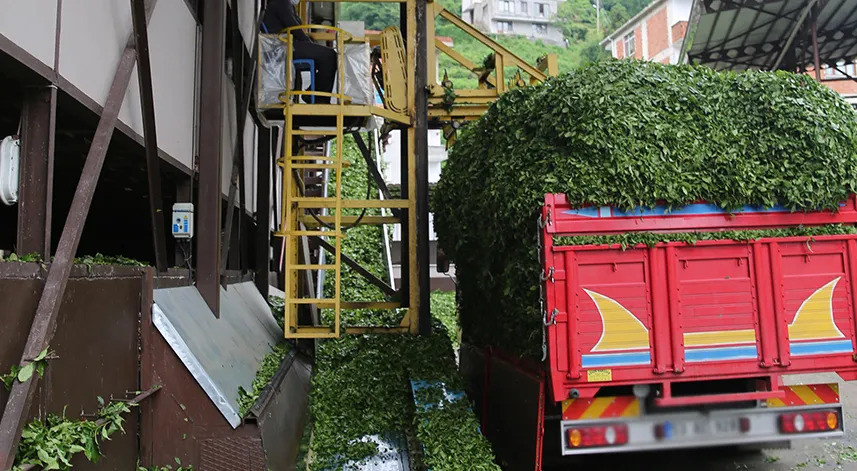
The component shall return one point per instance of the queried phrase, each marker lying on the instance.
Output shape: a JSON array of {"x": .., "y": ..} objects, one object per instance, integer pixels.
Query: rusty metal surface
[
  {"x": 96, "y": 333},
  {"x": 421, "y": 209},
  {"x": 210, "y": 129},
  {"x": 232, "y": 454},
  {"x": 283, "y": 411},
  {"x": 262, "y": 230},
  {"x": 153, "y": 162},
  {"x": 45, "y": 320},
  {"x": 38, "y": 123}
]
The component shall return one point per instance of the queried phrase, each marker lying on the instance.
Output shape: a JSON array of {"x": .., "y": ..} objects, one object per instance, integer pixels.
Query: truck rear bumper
[{"x": 696, "y": 429}]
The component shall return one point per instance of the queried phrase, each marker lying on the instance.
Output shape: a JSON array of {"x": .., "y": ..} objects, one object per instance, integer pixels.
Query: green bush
[{"x": 627, "y": 134}]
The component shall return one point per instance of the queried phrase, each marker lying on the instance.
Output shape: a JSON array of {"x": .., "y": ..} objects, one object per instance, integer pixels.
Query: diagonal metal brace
[
  {"x": 373, "y": 169},
  {"x": 371, "y": 278}
]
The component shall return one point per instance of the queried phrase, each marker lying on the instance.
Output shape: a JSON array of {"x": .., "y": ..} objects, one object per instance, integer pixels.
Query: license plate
[{"x": 708, "y": 426}]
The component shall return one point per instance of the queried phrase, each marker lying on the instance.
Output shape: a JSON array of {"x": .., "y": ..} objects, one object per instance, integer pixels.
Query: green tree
[
  {"x": 617, "y": 16},
  {"x": 376, "y": 16},
  {"x": 593, "y": 52}
]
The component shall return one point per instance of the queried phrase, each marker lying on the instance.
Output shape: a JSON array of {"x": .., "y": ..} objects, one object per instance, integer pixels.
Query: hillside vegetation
[{"x": 576, "y": 18}]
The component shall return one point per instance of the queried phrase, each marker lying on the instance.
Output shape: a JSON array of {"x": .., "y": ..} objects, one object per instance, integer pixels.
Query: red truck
[{"x": 675, "y": 345}]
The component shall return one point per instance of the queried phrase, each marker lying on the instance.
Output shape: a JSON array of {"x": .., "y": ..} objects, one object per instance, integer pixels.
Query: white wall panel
[
  {"x": 251, "y": 136},
  {"x": 229, "y": 131},
  {"x": 92, "y": 37},
  {"x": 172, "y": 42},
  {"x": 247, "y": 21},
  {"x": 32, "y": 25}
]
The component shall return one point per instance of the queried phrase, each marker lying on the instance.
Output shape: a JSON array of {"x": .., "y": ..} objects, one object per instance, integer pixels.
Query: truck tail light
[
  {"x": 808, "y": 422},
  {"x": 605, "y": 435}
]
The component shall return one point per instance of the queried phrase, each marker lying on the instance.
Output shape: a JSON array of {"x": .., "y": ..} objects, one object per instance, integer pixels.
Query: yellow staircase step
[
  {"x": 320, "y": 301},
  {"x": 312, "y": 267},
  {"x": 314, "y": 233}
]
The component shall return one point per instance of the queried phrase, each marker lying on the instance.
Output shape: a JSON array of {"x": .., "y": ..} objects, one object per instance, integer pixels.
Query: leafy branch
[
  {"x": 23, "y": 373},
  {"x": 51, "y": 443}
]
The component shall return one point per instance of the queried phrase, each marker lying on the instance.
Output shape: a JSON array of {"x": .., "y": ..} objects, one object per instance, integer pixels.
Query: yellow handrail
[{"x": 342, "y": 36}]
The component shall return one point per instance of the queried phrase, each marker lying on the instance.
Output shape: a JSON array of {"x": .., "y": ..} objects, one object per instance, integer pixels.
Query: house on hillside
[
  {"x": 530, "y": 18},
  {"x": 656, "y": 33}
]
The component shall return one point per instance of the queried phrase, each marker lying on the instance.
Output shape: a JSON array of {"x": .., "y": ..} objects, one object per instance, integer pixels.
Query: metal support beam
[
  {"x": 787, "y": 46},
  {"x": 371, "y": 278},
  {"x": 262, "y": 234},
  {"x": 45, "y": 320},
  {"x": 153, "y": 161},
  {"x": 210, "y": 129},
  {"x": 373, "y": 170},
  {"x": 421, "y": 157},
  {"x": 816, "y": 60},
  {"x": 38, "y": 127},
  {"x": 237, "y": 182}
]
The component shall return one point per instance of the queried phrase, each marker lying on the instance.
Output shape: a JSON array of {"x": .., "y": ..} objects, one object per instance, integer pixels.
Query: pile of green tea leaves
[
  {"x": 86, "y": 260},
  {"x": 443, "y": 309},
  {"x": 627, "y": 134},
  {"x": 361, "y": 387},
  {"x": 51, "y": 443},
  {"x": 650, "y": 239},
  {"x": 363, "y": 244},
  {"x": 278, "y": 306},
  {"x": 267, "y": 369},
  {"x": 361, "y": 383}
]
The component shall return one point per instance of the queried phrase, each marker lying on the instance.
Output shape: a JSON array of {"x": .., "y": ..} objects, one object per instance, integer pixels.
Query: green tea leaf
[{"x": 26, "y": 372}]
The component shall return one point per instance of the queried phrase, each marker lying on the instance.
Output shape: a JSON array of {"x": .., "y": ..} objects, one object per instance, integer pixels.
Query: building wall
[
  {"x": 32, "y": 25},
  {"x": 491, "y": 16},
  {"x": 92, "y": 37},
  {"x": 658, "y": 32}
]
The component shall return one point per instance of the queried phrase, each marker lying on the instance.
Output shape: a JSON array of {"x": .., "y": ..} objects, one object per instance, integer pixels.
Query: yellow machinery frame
[{"x": 468, "y": 105}]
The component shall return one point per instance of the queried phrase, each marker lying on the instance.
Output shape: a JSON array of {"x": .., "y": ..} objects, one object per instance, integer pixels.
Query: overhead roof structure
[{"x": 792, "y": 35}]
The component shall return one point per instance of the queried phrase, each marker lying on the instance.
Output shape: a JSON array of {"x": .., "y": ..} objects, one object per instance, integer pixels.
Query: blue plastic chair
[{"x": 306, "y": 64}]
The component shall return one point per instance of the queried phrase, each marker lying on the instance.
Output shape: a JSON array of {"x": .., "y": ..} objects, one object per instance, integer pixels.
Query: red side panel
[{"x": 714, "y": 310}]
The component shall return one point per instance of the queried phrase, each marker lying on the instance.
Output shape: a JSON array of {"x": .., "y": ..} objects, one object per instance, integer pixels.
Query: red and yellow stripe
[
  {"x": 600, "y": 408},
  {"x": 807, "y": 395}
]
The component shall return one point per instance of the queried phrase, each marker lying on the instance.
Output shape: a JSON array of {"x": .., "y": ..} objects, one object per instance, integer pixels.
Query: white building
[
  {"x": 655, "y": 34},
  {"x": 530, "y": 18},
  {"x": 437, "y": 155}
]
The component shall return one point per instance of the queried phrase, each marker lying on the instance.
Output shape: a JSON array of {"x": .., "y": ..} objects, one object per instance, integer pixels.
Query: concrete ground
[{"x": 831, "y": 454}]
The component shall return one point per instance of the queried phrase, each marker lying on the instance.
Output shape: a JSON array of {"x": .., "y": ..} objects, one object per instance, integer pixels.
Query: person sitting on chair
[{"x": 279, "y": 15}]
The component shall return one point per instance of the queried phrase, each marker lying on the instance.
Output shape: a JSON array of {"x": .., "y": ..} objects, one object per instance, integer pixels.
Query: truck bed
[{"x": 714, "y": 310}]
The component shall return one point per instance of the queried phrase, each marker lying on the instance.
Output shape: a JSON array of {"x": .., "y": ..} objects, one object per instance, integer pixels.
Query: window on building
[
  {"x": 543, "y": 10},
  {"x": 540, "y": 30},
  {"x": 524, "y": 8},
  {"x": 837, "y": 72},
  {"x": 629, "y": 44},
  {"x": 507, "y": 6},
  {"x": 504, "y": 26}
]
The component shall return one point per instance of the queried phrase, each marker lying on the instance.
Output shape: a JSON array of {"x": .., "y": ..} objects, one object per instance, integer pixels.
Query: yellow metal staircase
[{"x": 295, "y": 164}]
